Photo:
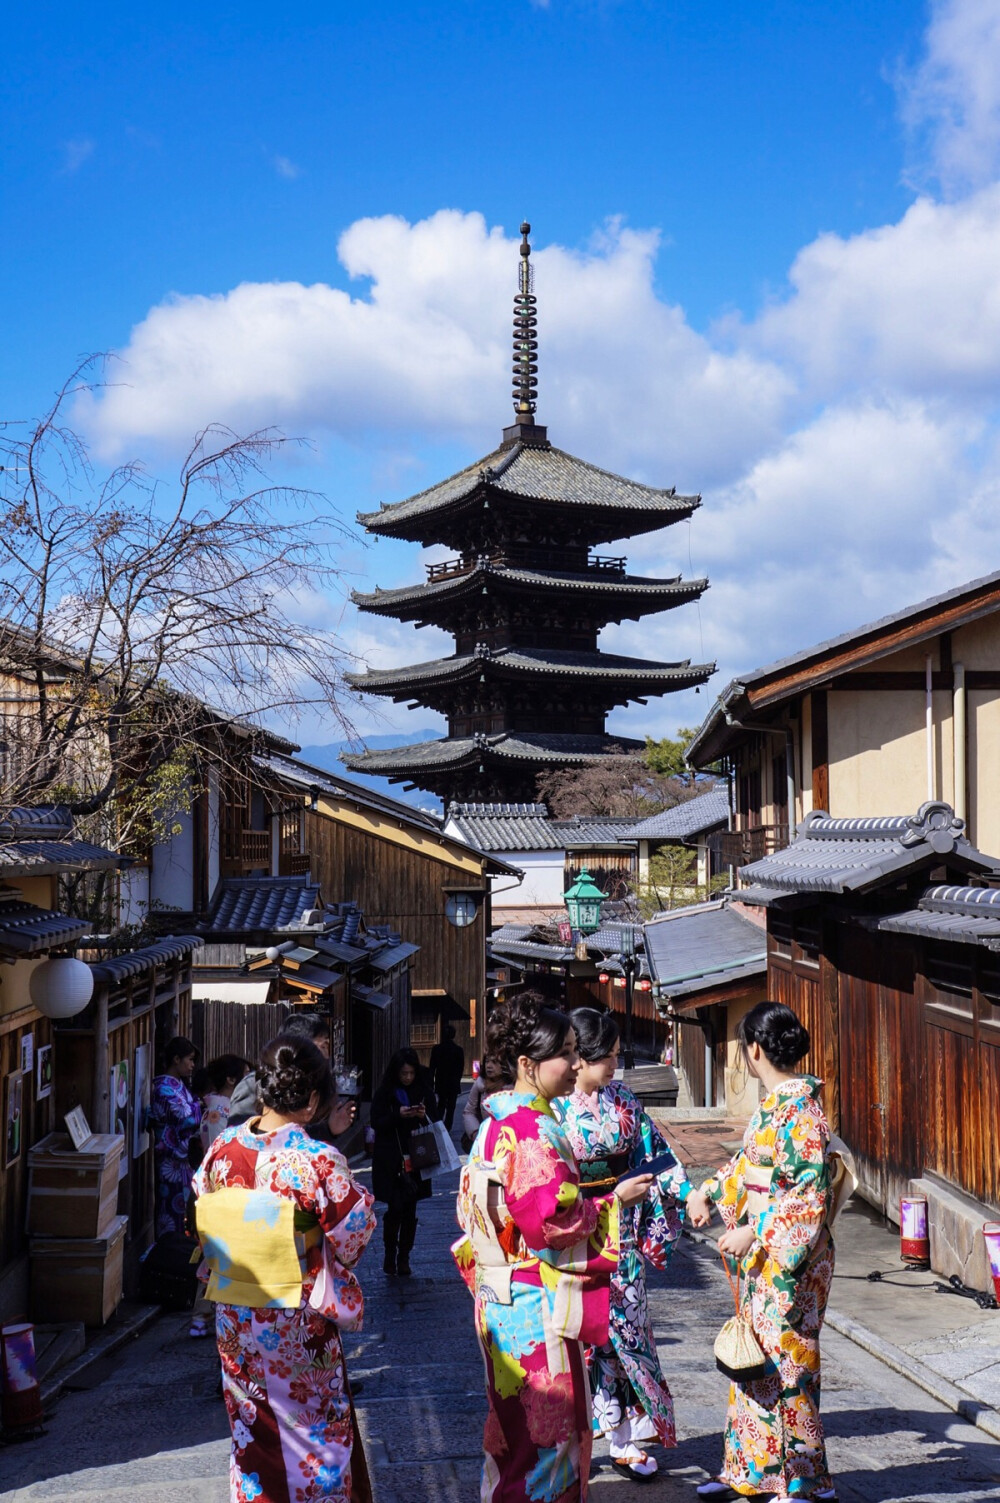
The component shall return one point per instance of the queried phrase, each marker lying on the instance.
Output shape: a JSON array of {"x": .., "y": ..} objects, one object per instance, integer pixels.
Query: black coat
[
  {"x": 392, "y": 1136},
  {"x": 447, "y": 1067}
]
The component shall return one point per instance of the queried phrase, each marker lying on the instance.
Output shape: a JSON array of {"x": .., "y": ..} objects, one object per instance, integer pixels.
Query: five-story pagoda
[{"x": 527, "y": 688}]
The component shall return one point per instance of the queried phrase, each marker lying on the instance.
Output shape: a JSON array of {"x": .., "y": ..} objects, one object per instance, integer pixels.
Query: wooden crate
[
  {"x": 77, "y": 1278},
  {"x": 73, "y": 1192}
]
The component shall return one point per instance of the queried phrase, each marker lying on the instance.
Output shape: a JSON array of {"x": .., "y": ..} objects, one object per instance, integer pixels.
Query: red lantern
[
  {"x": 644, "y": 986},
  {"x": 603, "y": 978}
]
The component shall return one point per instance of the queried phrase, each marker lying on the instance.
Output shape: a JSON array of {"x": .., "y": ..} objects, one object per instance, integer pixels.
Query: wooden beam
[
  {"x": 868, "y": 647},
  {"x": 820, "y": 751}
]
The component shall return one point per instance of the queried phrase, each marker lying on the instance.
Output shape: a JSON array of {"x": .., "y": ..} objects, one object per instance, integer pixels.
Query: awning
[
  {"x": 371, "y": 998},
  {"x": 443, "y": 1003},
  {"x": 312, "y": 978},
  {"x": 246, "y": 993}
]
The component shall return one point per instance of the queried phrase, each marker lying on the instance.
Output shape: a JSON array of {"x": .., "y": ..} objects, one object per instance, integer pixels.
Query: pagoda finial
[
  {"x": 525, "y": 335},
  {"x": 525, "y": 368}
]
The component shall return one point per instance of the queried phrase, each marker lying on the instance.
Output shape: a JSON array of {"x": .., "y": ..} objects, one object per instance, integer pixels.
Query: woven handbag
[{"x": 738, "y": 1353}]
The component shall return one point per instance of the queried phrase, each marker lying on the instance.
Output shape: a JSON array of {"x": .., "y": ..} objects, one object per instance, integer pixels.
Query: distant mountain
[{"x": 328, "y": 758}]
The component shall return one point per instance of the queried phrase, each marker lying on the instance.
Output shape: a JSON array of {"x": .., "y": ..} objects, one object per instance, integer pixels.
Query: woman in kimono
[
  {"x": 173, "y": 1118},
  {"x": 775, "y": 1200},
  {"x": 539, "y": 1257},
  {"x": 282, "y": 1223},
  {"x": 610, "y": 1134}
]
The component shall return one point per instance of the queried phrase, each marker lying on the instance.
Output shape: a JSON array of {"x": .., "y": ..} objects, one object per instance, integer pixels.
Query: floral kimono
[
  {"x": 283, "y": 1236},
  {"x": 539, "y": 1257},
  {"x": 610, "y": 1134},
  {"x": 173, "y": 1118},
  {"x": 779, "y": 1183}
]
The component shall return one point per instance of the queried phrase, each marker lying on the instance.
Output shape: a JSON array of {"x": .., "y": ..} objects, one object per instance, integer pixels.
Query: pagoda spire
[{"x": 524, "y": 429}]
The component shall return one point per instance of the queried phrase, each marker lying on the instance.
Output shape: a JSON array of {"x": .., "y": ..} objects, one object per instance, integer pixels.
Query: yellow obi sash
[{"x": 250, "y": 1244}]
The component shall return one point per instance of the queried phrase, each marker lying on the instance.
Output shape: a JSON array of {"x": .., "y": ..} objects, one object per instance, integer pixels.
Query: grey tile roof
[
  {"x": 305, "y": 777},
  {"x": 705, "y": 812},
  {"x": 624, "y": 593},
  {"x": 245, "y": 903},
  {"x": 969, "y": 593},
  {"x": 529, "y": 662},
  {"x": 535, "y": 942},
  {"x": 694, "y": 949},
  {"x": 528, "y": 827},
  {"x": 45, "y": 822},
  {"x": 42, "y": 858},
  {"x": 538, "y": 474},
  {"x": 460, "y": 750},
  {"x": 851, "y": 855},
  {"x": 26, "y": 930},
  {"x": 396, "y": 954},
  {"x": 964, "y": 915},
  {"x": 119, "y": 968},
  {"x": 370, "y": 996}
]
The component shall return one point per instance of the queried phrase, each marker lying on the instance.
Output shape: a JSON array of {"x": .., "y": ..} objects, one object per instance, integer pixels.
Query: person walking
[
  {"x": 173, "y": 1117},
  {"x": 539, "y": 1256},
  {"x": 447, "y": 1069},
  {"x": 776, "y": 1201},
  {"x": 246, "y": 1101},
  {"x": 221, "y": 1077},
  {"x": 402, "y": 1103},
  {"x": 282, "y": 1225},
  {"x": 486, "y": 1082},
  {"x": 610, "y": 1135}
]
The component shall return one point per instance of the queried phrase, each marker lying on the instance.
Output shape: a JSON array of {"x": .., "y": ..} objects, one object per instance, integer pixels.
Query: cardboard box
[
  {"x": 73, "y": 1192},
  {"x": 77, "y": 1278}
]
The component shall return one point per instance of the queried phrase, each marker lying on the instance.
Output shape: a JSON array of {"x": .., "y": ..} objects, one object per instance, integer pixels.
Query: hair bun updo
[
  {"x": 524, "y": 1025},
  {"x": 291, "y": 1070},
  {"x": 778, "y": 1031}
]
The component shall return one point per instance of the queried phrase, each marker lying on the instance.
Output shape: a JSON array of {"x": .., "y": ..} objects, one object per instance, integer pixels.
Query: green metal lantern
[{"x": 583, "y": 903}]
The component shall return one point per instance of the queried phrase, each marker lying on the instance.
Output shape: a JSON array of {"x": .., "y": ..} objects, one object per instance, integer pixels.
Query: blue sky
[{"x": 768, "y": 249}]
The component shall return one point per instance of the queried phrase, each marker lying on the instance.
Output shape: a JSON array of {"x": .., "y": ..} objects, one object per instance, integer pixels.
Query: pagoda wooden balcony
[
  {"x": 740, "y": 847},
  {"x": 528, "y": 558}
]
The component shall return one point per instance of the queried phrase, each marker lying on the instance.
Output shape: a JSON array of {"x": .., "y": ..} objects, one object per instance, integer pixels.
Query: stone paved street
[{"x": 151, "y": 1429}]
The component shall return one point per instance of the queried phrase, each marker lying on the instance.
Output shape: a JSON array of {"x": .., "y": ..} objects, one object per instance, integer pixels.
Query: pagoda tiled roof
[
  {"x": 454, "y": 753},
  {"x": 624, "y": 593},
  {"x": 550, "y": 663},
  {"x": 537, "y": 473}
]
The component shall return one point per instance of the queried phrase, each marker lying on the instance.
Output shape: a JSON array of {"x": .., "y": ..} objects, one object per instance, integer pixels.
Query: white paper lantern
[{"x": 62, "y": 987}]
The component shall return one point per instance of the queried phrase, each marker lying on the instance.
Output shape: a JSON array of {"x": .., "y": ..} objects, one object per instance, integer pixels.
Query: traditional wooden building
[
  {"x": 708, "y": 962},
  {"x": 550, "y": 852},
  {"x": 882, "y": 717},
  {"x": 37, "y": 850},
  {"x": 883, "y": 936},
  {"x": 527, "y": 688}
]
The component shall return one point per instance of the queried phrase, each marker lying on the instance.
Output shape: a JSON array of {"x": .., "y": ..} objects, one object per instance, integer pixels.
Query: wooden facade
[
  {"x": 402, "y": 876},
  {"x": 141, "y": 1001},
  {"x": 906, "y": 1034}
]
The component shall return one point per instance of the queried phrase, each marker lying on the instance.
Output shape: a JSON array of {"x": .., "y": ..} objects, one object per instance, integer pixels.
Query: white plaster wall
[
  {"x": 171, "y": 878},
  {"x": 134, "y": 894},
  {"x": 543, "y": 879}
]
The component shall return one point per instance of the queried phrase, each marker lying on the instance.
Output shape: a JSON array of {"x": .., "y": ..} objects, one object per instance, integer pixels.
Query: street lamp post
[{"x": 629, "y": 966}]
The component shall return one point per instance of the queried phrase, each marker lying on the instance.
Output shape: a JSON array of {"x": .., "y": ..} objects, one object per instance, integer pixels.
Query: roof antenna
[{"x": 525, "y": 367}]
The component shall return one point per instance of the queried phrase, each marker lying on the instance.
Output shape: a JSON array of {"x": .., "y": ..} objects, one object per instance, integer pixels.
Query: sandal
[
  {"x": 715, "y": 1489},
  {"x": 634, "y": 1464},
  {"x": 199, "y": 1328}
]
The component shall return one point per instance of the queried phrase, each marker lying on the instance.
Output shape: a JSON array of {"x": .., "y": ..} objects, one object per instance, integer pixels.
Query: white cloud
[
  {"x": 426, "y": 350},
  {"x": 846, "y": 437},
  {"x": 286, "y": 168},
  {"x": 75, "y": 153},
  {"x": 951, "y": 101}
]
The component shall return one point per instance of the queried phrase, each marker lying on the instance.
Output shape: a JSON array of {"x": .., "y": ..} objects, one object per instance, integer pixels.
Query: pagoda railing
[{"x": 527, "y": 558}]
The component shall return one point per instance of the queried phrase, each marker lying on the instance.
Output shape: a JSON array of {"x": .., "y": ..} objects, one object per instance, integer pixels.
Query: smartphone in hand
[{"x": 658, "y": 1165}]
